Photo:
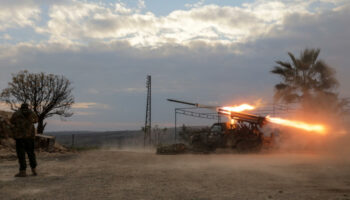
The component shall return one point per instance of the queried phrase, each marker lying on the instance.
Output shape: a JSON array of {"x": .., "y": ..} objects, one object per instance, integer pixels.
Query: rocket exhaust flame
[
  {"x": 243, "y": 107},
  {"x": 317, "y": 128},
  {"x": 237, "y": 113},
  {"x": 239, "y": 108}
]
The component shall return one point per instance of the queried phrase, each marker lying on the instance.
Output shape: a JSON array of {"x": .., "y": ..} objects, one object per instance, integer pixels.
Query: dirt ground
[{"x": 112, "y": 174}]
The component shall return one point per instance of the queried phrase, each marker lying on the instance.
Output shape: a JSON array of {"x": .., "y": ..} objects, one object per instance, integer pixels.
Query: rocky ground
[{"x": 112, "y": 174}]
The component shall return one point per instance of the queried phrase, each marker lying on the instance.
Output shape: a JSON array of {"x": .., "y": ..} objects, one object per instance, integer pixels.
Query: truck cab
[{"x": 240, "y": 136}]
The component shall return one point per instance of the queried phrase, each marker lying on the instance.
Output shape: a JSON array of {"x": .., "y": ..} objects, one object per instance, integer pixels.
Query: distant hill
[
  {"x": 5, "y": 114},
  {"x": 130, "y": 138}
]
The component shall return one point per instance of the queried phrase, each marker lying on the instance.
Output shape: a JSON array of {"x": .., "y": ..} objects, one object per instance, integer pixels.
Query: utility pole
[{"x": 148, "y": 121}]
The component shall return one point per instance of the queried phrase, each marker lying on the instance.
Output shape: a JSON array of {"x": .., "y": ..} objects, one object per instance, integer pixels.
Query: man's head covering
[{"x": 24, "y": 106}]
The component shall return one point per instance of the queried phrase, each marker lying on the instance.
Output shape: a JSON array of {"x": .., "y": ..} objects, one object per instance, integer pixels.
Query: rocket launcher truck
[{"x": 242, "y": 133}]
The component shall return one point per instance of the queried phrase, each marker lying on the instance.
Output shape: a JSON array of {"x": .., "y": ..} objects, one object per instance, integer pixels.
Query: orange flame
[
  {"x": 317, "y": 128},
  {"x": 240, "y": 108}
]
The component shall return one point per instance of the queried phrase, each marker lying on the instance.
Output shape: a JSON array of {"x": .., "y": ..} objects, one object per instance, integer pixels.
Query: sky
[{"x": 216, "y": 52}]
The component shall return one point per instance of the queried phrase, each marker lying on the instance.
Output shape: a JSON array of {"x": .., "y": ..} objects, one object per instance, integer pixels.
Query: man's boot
[
  {"x": 34, "y": 172},
  {"x": 21, "y": 173}
]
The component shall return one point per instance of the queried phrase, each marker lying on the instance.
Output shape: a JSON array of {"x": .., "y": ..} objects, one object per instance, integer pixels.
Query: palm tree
[
  {"x": 304, "y": 78},
  {"x": 309, "y": 81}
]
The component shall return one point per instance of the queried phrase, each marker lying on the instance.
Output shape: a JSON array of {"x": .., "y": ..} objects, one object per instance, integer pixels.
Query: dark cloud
[
  {"x": 113, "y": 73},
  {"x": 117, "y": 72},
  {"x": 328, "y": 30}
]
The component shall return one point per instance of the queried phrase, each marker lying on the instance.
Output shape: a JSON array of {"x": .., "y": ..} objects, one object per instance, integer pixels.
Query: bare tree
[{"x": 47, "y": 94}]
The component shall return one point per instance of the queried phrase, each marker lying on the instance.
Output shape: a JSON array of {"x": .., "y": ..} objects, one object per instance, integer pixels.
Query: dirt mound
[
  {"x": 7, "y": 144},
  {"x": 56, "y": 148},
  {"x": 5, "y": 125},
  {"x": 7, "y": 149}
]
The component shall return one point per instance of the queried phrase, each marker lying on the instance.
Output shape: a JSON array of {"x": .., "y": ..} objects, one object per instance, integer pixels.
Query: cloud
[
  {"x": 93, "y": 91},
  {"x": 121, "y": 8},
  {"x": 78, "y": 22},
  {"x": 195, "y": 5},
  {"x": 81, "y": 105},
  {"x": 83, "y": 22},
  {"x": 84, "y": 105},
  {"x": 141, "y": 4},
  {"x": 81, "y": 113},
  {"x": 211, "y": 53},
  {"x": 6, "y": 37},
  {"x": 18, "y": 15},
  {"x": 130, "y": 90},
  {"x": 4, "y": 106},
  {"x": 87, "y": 105}
]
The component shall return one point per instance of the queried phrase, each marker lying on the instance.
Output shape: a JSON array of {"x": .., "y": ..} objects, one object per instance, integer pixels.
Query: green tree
[
  {"x": 47, "y": 94},
  {"x": 307, "y": 80}
]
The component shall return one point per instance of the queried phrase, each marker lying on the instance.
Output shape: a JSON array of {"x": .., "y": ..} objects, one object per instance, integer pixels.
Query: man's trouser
[{"x": 25, "y": 146}]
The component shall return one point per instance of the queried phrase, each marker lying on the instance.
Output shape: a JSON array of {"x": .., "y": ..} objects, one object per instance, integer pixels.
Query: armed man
[{"x": 24, "y": 133}]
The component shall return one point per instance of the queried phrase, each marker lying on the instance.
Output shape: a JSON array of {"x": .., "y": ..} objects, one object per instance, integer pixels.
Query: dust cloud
[{"x": 131, "y": 172}]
